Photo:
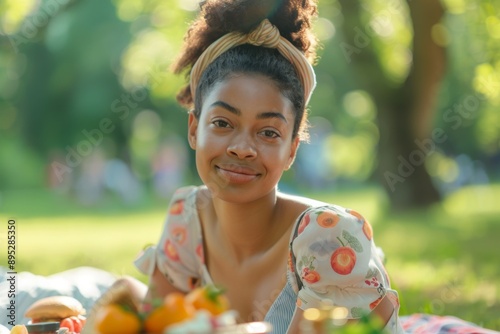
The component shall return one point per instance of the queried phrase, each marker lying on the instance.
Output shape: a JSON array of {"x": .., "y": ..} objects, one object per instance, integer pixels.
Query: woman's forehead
[
  {"x": 242, "y": 92},
  {"x": 240, "y": 86}
]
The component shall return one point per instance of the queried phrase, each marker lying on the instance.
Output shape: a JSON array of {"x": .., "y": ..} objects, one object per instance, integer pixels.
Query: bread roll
[{"x": 55, "y": 307}]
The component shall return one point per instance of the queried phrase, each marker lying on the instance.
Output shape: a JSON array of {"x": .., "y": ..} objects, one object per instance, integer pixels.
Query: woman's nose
[{"x": 242, "y": 147}]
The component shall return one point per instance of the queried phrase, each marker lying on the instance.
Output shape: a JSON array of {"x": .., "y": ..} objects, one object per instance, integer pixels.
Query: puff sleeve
[
  {"x": 179, "y": 253},
  {"x": 333, "y": 260}
]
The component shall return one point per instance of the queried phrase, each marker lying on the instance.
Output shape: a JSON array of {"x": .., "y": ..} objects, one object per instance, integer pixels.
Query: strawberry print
[
  {"x": 328, "y": 219},
  {"x": 343, "y": 259},
  {"x": 367, "y": 228},
  {"x": 375, "y": 302},
  {"x": 309, "y": 274},
  {"x": 199, "y": 252},
  {"x": 179, "y": 234},
  {"x": 356, "y": 214},
  {"x": 290, "y": 262},
  {"x": 373, "y": 282},
  {"x": 303, "y": 223},
  {"x": 177, "y": 207},
  {"x": 171, "y": 251}
]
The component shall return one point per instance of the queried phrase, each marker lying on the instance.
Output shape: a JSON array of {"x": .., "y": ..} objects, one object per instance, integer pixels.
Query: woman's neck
[{"x": 248, "y": 229}]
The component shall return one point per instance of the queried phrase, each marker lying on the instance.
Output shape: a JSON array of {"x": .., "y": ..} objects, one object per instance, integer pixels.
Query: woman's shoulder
[
  {"x": 184, "y": 199},
  {"x": 183, "y": 193},
  {"x": 179, "y": 252},
  {"x": 303, "y": 201},
  {"x": 310, "y": 206},
  {"x": 317, "y": 219}
]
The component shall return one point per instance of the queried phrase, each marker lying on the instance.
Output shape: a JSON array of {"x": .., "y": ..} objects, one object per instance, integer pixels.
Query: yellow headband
[{"x": 266, "y": 35}]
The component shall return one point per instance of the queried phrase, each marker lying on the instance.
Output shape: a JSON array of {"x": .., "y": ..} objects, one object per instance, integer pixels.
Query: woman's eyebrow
[
  {"x": 236, "y": 111},
  {"x": 272, "y": 114},
  {"x": 226, "y": 106}
]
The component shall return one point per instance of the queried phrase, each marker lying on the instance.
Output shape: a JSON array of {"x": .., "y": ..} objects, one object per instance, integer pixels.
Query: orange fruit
[
  {"x": 157, "y": 320},
  {"x": 173, "y": 310},
  {"x": 209, "y": 298},
  {"x": 114, "y": 319},
  {"x": 328, "y": 219}
]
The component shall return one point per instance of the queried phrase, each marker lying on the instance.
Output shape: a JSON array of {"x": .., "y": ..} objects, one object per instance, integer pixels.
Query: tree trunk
[{"x": 405, "y": 112}]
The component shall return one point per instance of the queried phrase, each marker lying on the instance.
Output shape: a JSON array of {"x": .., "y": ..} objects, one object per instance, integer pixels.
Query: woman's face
[{"x": 243, "y": 138}]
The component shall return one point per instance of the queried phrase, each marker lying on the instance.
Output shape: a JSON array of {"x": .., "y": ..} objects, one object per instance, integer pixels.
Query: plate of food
[
  {"x": 55, "y": 314},
  {"x": 204, "y": 310}
]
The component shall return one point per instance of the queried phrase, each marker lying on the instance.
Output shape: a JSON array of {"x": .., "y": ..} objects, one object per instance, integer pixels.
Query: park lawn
[
  {"x": 443, "y": 260},
  {"x": 55, "y": 233}
]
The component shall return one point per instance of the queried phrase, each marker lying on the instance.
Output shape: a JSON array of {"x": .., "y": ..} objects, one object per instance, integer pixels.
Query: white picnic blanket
[{"x": 85, "y": 284}]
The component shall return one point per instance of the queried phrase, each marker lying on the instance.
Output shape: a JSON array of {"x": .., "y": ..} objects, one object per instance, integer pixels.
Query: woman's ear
[
  {"x": 192, "y": 128},
  {"x": 293, "y": 152}
]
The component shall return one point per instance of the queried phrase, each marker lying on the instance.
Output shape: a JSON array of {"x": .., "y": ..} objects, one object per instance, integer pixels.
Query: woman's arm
[
  {"x": 383, "y": 311},
  {"x": 158, "y": 287},
  {"x": 295, "y": 323}
]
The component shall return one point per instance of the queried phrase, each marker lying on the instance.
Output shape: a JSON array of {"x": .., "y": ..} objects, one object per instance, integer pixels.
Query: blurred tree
[
  {"x": 77, "y": 78},
  {"x": 67, "y": 65},
  {"x": 406, "y": 108},
  {"x": 66, "y": 53}
]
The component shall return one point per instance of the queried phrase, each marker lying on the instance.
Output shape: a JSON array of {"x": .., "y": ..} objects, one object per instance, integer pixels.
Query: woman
[{"x": 276, "y": 255}]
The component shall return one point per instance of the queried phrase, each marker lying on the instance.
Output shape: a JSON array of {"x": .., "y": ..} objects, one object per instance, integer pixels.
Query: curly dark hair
[{"x": 219, "y": 17}]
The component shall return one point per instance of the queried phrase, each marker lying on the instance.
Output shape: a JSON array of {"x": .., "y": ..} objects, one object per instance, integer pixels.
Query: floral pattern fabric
[
  {"x": 179, "y": 253},
  {"x": 332, "y": 257}
]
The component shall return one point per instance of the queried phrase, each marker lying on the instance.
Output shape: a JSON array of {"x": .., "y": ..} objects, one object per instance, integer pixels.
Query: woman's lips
[{"x": 237, "y": 174}]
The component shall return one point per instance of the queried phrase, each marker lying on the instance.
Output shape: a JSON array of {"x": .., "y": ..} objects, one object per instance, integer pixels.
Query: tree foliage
[{"x": 75, "y": 71}]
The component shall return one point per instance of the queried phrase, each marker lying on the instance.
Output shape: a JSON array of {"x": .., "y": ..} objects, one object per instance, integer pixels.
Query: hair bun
[
  {"x": 219, "y": 17},
  {"x": 242, "y": 15}
]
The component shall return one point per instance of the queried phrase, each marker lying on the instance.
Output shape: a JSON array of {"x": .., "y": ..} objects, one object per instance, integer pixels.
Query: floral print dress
[{"x": 332, "y": 260}]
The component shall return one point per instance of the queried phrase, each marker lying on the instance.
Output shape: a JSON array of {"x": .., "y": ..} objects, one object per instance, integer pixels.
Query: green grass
[{"x": 443, "y": 260}]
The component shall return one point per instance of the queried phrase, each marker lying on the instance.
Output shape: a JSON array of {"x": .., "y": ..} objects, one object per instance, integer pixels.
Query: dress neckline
[{"x": 206, "y": 278}]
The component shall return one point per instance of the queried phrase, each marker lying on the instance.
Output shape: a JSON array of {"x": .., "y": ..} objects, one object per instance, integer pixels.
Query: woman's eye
[
  {"x": 270, "y": 134},
  {"x": 220, "y": 123}
]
